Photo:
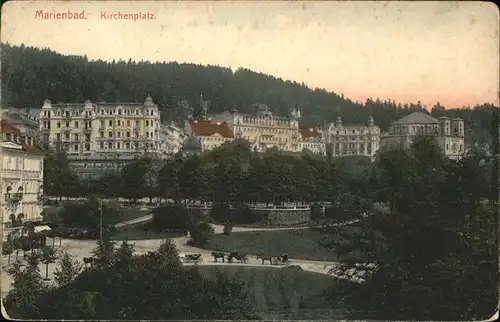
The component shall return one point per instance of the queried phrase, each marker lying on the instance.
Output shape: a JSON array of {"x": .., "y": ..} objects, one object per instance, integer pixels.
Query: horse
[
  {"x": 264, "y": 258},
  {"x": 283, "y": 258},
  {"x": 243, "y": 258},
  {"x": 217, "y": 255},
  {"x": 87, "y": 261}
]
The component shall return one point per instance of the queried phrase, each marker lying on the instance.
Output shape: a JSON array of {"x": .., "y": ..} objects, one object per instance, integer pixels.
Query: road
[{"x": 83, "y": 248}]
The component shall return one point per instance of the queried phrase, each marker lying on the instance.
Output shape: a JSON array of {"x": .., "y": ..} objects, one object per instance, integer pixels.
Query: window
[
  {"x": 118, "y": 145},
  {"x": 102, "y": 112},
  {"x": 102, "y": 123},
  {"x": 102, "y": 145},
  {"x": 136, "y": 134},
  {"x": 87, "y": 146},
  {"x": 147, "y": 134},
  {"x": 128, "y": 134},
  {"x": 127, "y": 145},
  {"x": 147, "y": 123},
  {"x": 136, "y": 123},
  {"x": 102, "y": 134},
  {"x": 58, "y": 136},
  {"x": 136, "y": 112},
  {"x": 110, "y": 123},
  {"x": 128, "y": 122},
  {"x": 76, "y": 124},
  {"x": 58, "y": 124},
  {"x": 110, "y": 134},
  {"x": 119, "y": 122},
  {"x": 66, "y": 135},
  {"x": 119, "y": 112},
  {"x": 76, "y": 136},
  {"x": 110, "y": 145},
  {"x": 76, "y": 147},
  {"x": 67, "y": 124}
]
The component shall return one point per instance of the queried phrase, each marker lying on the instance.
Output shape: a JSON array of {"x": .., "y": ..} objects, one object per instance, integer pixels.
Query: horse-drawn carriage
[
  {"x": 241, "y": 257},
  {"x": 191, "y": 258},
  {"x": 273, "y": 259}
]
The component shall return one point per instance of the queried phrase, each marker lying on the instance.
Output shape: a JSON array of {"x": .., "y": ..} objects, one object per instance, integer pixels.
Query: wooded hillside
[{"x": 31, "y": 75}]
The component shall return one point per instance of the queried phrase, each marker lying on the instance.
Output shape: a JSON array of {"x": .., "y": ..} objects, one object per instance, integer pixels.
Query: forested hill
[{"x": 31, "y": 75}]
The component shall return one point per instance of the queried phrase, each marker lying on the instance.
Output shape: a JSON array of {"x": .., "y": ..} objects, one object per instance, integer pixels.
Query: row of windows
[
  {"x": 76, "y": 136},
  {"x": 257, "y": 129},
  {"x": 20, "y": 163},
  {"x": 119, "y": 111},
  {"x": 87, "y": 124},
  {"x": 110, "y": 145}
]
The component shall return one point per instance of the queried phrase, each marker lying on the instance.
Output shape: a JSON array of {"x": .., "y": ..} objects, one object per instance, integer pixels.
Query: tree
[
  {"x": 67, "y": 271},
  {"x": 201, "y": 233},
  {"x": 134, "y": 178},
  {"x": 48, "y": 256},
  {"x": 105, "y": 252},
  {"x": 7, "y": 249},
  {"x": 87, "y": 216},
  {"x": 27, "y": 286},
  {"x": 405, "y": 256},
  {"x": 59, "y": 179}
]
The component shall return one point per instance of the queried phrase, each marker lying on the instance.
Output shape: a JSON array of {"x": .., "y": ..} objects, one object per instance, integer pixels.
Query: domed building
[{"x": 192, "y": 145}]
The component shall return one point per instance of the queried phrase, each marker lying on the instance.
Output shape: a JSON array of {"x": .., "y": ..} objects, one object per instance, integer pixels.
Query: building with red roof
[{"x": 211, "y": 133}]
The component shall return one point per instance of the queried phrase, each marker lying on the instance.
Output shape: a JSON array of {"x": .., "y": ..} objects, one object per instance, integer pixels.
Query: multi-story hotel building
[
  {"x": 449, "y": 133},
  {"x": 21, "y": 177},
  {"x": 83, "y": 129},
  {"x": 347, "y": 140},
  {"x": 99, "y": 137},
  {"x": 263, "y": 129}
]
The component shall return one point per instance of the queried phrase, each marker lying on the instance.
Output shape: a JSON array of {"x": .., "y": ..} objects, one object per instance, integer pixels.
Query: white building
[
  {"x": 171, "y": 138},
  {"x": 86, "y": 128},
  {"x": 357, "y": 139},
  {"x": 21, "y": 177},
  {"x": 312, "y": 140},
  {"x": 449, "y": 134}
]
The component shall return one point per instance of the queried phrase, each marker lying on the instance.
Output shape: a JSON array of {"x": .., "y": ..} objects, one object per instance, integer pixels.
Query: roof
[
  {"x": 309, "y": 133},
  {"x": 209, "y": 128},
  {"x": 6, "y": 127},
  {"x": 417, "y": 118}
]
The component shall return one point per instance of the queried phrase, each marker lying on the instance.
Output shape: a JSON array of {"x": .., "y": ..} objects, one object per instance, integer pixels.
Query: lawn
[
  {"x": 284, "y": 293},
  {"x": 51, "y": 213},
  {"x": 141, "y": 231},
  {"x": 298, "y": 243}
]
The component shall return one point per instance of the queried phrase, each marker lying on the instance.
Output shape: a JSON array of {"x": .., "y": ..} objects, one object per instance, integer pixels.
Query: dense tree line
[
  {"x": 31, "y": 75},
  {"x": 232, "y": 174},
  {"x": 434, "y": 253},
  {"x": 123, "y": 285}
]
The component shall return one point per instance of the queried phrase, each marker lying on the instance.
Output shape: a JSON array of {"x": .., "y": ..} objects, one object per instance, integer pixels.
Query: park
[{"x": 268, "y": 237}]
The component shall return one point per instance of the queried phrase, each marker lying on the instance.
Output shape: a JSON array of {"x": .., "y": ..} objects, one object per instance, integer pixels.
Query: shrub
[
  {"x": 221, "y": 212},
  {"x": 172, "y": 217},
  {"x": 242, "y": 214},
  {"x": 201, "y": 233}
]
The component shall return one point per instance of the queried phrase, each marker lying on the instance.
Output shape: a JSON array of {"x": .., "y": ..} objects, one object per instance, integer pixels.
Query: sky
[{"x": 404, "y": 51}]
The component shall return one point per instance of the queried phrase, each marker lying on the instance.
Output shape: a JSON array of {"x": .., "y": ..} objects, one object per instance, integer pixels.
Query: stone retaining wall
[{"x": 286, "y": 217}]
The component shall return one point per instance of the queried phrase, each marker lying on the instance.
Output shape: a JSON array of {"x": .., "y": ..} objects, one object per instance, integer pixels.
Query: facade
[
  {"x": 21, "y": 177},
  {"x": 211, "y": 134},
  {"x": 89, "y": 128},
  {"x": 171, "y": 139},
  {"x": 348, "y": 140},
  {"x": 449, "y": 133},
  {"x": 263, "y": 129},
  {"x": 25, "y": 120},
  {"x": 312, "y": 140}
]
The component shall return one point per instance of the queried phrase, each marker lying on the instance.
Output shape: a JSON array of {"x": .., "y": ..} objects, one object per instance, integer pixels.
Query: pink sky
[{"x": 427, "y": 51}]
